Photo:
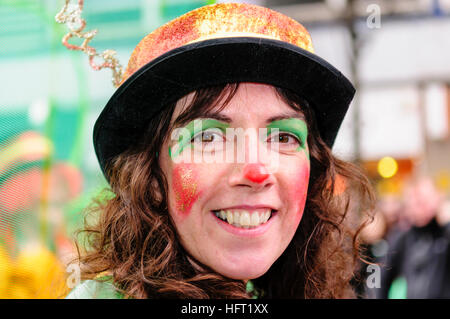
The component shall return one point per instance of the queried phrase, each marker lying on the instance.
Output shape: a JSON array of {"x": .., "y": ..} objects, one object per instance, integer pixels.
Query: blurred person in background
[
  {"x": 443, "y": 214},
  {"x": 391, "y": 207},
  {"x": 373, "y": 244},
  {"x": 387, "y": 220},
  {"x": 417, "y": 264}
]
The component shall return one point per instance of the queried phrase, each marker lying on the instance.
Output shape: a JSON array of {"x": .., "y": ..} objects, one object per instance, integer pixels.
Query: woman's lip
[
  {"x": 248, "y": 207},
  {"x": 245, "y": 232}
]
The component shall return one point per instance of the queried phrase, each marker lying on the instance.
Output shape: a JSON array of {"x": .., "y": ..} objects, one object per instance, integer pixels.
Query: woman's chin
[{"x": 243, "y": 270}]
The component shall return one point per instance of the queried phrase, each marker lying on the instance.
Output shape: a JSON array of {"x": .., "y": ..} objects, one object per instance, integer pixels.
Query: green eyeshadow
[
  {"x": 194, "y": 127},
  {"x": 295, "y": 126}
]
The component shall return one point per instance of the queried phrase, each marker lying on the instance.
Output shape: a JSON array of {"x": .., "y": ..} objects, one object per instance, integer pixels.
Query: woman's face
[{"x": 236, "y": 200}]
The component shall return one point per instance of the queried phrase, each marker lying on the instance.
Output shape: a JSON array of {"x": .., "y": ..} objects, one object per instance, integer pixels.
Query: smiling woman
[{"x": 220, "y": 166}]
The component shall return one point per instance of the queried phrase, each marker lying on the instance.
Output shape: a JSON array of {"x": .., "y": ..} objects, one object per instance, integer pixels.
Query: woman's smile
[
  {"x": 245, "y": 223},
  {"x": 245, "y": 217}
]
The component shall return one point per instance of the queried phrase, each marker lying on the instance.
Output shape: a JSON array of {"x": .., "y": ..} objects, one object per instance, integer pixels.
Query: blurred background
[{"x": 397, "y": 53}]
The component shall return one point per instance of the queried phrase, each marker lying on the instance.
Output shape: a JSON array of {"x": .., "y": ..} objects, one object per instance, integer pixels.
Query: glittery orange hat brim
[{"x": 180, "y": 71}]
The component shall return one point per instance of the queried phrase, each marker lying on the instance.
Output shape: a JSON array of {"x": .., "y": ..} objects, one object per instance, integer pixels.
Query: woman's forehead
[{"x": 250, "y": 102}]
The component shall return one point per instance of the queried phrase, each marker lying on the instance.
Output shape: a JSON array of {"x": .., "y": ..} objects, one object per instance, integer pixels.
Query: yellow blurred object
[
  {"x": 38, "y": 274},
  {"x": 28, "y": 146},
  {"x": 16, "y": 291},
  {"x": 387, "y": 167},
  {"x": 443, "y": 181},
  {"x": 389, "y": 186},
  {"x": 5, "y": 272}
]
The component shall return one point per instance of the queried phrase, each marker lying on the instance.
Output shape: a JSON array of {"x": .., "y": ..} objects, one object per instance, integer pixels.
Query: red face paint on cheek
[
  {"x": 300, "y": 191},
  {"x": 185, "y": 187}
]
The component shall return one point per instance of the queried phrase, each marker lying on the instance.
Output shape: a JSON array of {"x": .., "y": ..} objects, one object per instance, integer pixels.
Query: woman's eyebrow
[
  {"x": 208, "y": 115},
  {"x": 216, "y": 116},
  {"x": 223, "y": 118},
  {"x": 285, "y": 116}
]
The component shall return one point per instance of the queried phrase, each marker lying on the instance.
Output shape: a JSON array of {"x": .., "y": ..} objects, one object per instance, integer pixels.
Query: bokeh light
[{"x": 387, "y": 167}]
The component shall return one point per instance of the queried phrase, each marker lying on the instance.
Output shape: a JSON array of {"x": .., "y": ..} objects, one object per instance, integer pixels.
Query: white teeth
[
  {"x": 229, "y": 217},
  {"x": 236, "y": 218},
  {"x": 254, "y": 219},
  {"x": 267, "y": 215},
  {"x": 244, "y": 219}
]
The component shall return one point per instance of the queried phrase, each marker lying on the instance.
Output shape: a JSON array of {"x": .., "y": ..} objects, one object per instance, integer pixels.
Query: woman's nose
[
  {"x": 252, "y": 175},
  {"x": 255, "y": 172}
]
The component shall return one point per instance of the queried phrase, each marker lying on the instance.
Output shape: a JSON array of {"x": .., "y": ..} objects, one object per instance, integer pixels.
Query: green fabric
[
  {"x": 398, "y": 289},
  {"x": 105, "y": 289},
  {"x": 250, "y": 288},
  {"x": 95, "y": 289}
]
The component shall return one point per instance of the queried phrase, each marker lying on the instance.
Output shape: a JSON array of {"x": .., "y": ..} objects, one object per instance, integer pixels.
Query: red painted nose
[{"x": 256, "y": 173}]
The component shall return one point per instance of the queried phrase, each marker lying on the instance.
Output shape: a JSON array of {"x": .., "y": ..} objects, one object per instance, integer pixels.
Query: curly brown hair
[{"x": 133, "y": 238}]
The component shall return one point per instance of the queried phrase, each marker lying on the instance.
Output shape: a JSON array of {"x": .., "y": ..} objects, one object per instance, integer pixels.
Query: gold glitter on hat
[{"x": 218, "y": 21}]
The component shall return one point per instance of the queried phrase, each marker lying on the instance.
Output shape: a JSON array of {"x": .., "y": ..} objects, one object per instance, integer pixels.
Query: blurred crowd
[
  {"x": 409, "y": 242},
  {"x": 35, "y": 197}
]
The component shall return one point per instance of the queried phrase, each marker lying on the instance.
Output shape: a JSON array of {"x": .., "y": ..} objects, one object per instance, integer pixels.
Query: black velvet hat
[{"x": 214, "y": 45}]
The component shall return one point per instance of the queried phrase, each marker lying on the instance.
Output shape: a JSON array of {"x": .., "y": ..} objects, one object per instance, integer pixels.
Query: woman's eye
[
  {"x": 208, "y": 136},
  {"x": 285, "y": 140}
]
